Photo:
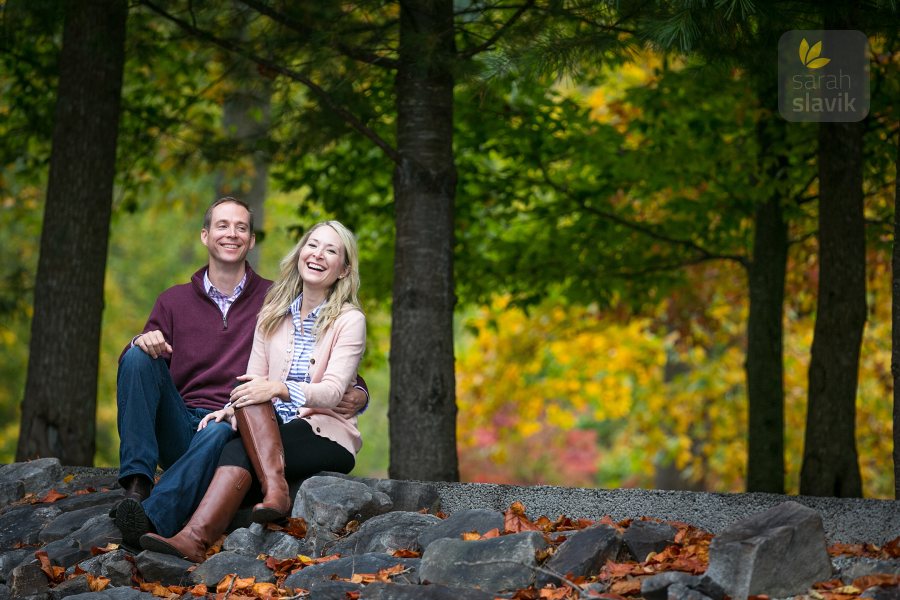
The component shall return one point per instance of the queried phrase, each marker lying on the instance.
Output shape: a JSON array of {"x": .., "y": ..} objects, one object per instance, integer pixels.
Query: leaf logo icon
[{"x": 809, "y": 56}]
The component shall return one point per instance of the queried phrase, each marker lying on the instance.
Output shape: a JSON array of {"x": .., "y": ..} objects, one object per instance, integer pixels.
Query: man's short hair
[{"x": 207, "y": 218}]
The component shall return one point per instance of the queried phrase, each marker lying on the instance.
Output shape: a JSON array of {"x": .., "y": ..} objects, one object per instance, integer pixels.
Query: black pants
[{"x": 305, "y": 454}]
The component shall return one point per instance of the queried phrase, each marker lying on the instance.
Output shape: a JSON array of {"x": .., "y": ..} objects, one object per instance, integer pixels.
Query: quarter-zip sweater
[{"x": 209, "y": 351}]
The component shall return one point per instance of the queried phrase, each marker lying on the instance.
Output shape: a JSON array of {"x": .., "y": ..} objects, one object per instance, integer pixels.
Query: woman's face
[{"x": 321, "y": 259}]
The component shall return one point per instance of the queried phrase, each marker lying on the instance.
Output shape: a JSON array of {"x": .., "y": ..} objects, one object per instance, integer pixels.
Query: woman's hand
[
  {"x": 255, "y": 390},
  {"x": 219, "y": 416}
]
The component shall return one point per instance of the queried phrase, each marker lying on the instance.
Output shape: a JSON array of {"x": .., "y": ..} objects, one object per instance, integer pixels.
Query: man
[{"x": 183, "y": 366}]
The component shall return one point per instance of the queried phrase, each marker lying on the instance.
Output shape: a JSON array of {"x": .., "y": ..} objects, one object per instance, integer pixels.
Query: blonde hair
[{"x": 289, "y": 284}]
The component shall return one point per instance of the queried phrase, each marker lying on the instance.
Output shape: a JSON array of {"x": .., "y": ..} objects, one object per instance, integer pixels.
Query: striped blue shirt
[{"x": 304, "y": 341}]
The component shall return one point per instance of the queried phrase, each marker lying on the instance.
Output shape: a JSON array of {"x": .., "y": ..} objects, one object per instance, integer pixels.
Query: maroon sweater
[{"x": 208, "y": 352}]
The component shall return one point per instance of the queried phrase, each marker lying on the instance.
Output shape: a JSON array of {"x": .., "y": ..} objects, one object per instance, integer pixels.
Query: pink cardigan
[{"x": 334, "y": 363}]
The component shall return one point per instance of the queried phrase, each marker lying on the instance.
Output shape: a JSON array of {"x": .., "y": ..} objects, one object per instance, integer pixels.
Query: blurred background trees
[{"x": 592, "y": 249}]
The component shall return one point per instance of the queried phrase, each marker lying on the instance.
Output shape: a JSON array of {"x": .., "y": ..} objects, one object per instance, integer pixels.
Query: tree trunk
[
  {"x": 59, "y": 409},
  {"x": 765, "y": 360},
  {"x": 765, "y": 370},
  {"x": 422, "y": 410},
  {"x": 246, "y": 114},
  {"x": 895, "y": 323},
  {"x": 830, "y": 463}
]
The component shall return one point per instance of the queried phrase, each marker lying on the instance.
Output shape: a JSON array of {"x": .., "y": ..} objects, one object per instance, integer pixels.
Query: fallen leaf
[
  {"x": 406, "y": 553},
  {"x": 515, "y": 520},
  {"x": 876, "y": 579},
  {"x": 97, "y": 583},
  {"x": 52, "y": 496},
  {"x": 54, "y": 573},
  {"x": 626, "y": 587}
]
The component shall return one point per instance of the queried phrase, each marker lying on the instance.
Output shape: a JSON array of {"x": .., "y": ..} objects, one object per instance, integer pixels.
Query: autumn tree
[{"x": 60, "y": 393}]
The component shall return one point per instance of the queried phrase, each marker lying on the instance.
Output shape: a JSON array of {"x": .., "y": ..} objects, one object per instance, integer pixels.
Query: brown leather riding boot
[
  {"x": 217, "y": 508},
  {"x": 258, "y": 427}
]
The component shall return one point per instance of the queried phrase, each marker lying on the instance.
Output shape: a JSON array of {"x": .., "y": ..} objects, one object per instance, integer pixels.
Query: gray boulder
[
  {"x": 217, "y": 566},
  {"x": 385, "y": 533},
  {"x": 37, "y": 476},
  {"x": 583, "y": 553},
  {"x": 165, "y": 569},
  {"x": 480, "y": 520},
  {"x": 643, "y": 537},
  {"x": 348, "y": 566},
  {"x": 780, "y": 552},
  {"x": 495, "y": 565}
]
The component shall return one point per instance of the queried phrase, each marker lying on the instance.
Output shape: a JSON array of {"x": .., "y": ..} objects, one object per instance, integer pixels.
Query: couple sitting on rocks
[{"x": 237, "y": 385}]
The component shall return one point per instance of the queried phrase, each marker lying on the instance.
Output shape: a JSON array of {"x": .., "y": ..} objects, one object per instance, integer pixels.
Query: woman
[{"x": 309, "y": 339}]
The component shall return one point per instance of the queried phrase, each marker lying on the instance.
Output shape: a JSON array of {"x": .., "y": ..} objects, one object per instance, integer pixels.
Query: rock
[
  {"x": 96, "y": 532},
  {"x": 643, "y": 537},
  {"x": 69, "y": 522},
  {"x": 329, "y": 503},
  {"x": 37, "y": 476},
  {"x": 245, "y": 540},
  {"x": 480, "y": 520},
  {"x": 679, "y": 591},
  {"x": 656, "y": 586},
  {"x": 582, "y": 554},
  {"x": 333, "y": 590},
  {"x": 282, "y": 546},
  {"x": 495, "y": 565},
  {"x": 780, "y": 552},
  {"x": 408, "y": 496},
  {"x": 11, "y": 559},
  {"x": 397, "y": 591},
  {"x": 21, "y": 525},
  {"x": 112, "y": 565},
  {"x": 219, "y": 565},
  {"x": 385, "y": 533},
  {"x": 163, "y": 568},
  {"x": 11, "y": 491},
  {"x": 28, "y": 580},
  {"x": 346, "y": 567},
  {"x": 70, "y": 587}
]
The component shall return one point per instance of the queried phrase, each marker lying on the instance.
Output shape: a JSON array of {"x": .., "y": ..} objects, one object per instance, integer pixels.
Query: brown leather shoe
[{"x": 216, "y": 510}]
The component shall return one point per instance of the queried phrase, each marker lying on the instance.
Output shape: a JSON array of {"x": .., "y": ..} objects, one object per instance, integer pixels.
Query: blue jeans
[{"x": 155, "y": 427}]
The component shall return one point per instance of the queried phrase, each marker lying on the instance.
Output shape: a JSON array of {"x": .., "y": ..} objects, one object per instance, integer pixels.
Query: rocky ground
[{"x": 365, "y": 538}]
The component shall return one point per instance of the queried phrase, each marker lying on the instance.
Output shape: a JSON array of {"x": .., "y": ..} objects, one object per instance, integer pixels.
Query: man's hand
[
  {"x": 353, "y": 401},
  {"x": 153, "y": 343}
]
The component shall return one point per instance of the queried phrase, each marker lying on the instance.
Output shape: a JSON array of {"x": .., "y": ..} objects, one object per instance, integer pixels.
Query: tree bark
[
  {"x": 895, "y": 322},
  {"x": 422, "y": 410},
  {"x": 59, "y": 408},
  {"x": 765, "y": 362},
  {"x": 830, "y": 462}
]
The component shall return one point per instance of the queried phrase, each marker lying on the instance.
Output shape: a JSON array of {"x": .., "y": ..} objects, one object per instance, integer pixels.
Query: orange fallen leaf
[
  {"x": 876, "y": 579},
  {"x": 52, "y": 496},
  {"x": 54, "y": 573},
  {"x": 626, "y": 587},
  {"x": 97, "y": 583},
  {"x": 406, "y": 553},
  {"x": 515, "y": 519}
]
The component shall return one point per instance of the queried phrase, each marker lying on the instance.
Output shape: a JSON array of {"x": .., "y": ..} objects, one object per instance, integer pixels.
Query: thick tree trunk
[
  {"x": 895, "y": 322},
  {"x": 765, "y": 370},
  {"x": 59, "y": 408},
  {"x": 830, "y": 463},
  {"x": 422, "y": 409},
  {"x": 245, "y": 117}
]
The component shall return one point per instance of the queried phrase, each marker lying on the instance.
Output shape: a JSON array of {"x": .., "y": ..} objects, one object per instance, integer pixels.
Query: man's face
[{"x": 228, "y": 239}]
